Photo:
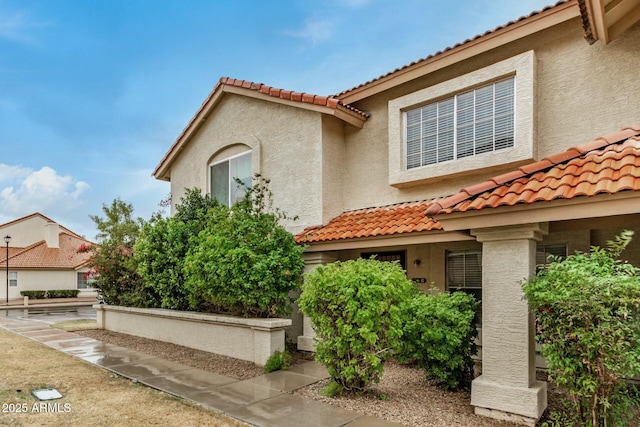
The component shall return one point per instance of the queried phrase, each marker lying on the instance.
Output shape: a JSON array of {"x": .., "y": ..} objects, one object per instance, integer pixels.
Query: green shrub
[
  {"x": 62, "y": 293},
  {"x": 355, "y": 310},
  {"x": 34, "y": 294},
  {"x": 278, "y": 361},
  {"x": 439, "y": 335},
  {"x": 163, "y": 244},
  {"x": 244, "y": 262},
  {"x": 588, "y": 319}
]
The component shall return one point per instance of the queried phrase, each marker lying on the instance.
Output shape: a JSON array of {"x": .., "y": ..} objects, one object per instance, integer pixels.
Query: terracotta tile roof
[
  {"x": 371, "y": 222},
  {"x": 456, "y": 46},
  {"x": 327, "y": 101},
  {"x": 40, "y": 256},
  {"x": 609, "y": 164}
]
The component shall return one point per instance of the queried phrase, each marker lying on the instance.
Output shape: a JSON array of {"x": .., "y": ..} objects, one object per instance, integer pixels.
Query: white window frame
[
  {"x": 13, "y": 279},
  {"x": 232, "y": 182},
  {"x": 454, "y": 129},
  {"x": 522, "y": 67},
  {"x": 86, "y": 282}
]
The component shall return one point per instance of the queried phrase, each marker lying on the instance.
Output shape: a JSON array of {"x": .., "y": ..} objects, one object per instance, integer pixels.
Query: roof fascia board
[
  {"x": 602, "y": 205},
  {"x": 595, "y": 9},
  {"x": 518, "y": 30},
  {"x": 380, "y": 242}
]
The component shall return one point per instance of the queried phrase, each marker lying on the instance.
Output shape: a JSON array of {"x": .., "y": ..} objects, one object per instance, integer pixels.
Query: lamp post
[{"x": 7, "y": 239}]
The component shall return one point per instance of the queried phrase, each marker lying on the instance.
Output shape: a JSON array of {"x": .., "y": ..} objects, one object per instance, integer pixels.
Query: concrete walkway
[{"x": 265, "y": 400}]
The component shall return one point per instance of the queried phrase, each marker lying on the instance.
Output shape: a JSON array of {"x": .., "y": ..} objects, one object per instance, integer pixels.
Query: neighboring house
[
  {"x": 509, "y": 116},
  {"x": 43, "y": 255}
]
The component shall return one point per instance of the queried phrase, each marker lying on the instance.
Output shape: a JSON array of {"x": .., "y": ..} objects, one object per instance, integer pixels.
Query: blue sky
[{"x": 94, "y": 92}]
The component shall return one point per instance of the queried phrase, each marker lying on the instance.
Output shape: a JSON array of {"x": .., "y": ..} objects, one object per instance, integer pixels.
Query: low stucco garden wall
[{"x": 250, "y": 339}]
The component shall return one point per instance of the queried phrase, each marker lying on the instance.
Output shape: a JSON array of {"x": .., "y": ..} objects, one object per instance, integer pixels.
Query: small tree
[
  {"x": 588, "y": 315},
  {"x": 163, "y": 245},
  {"x": 439, "y": 335},
  {"x": 112, "y": 263},
  {"x": 244, "y": 262},
  {"x": 355, "y": 310}
]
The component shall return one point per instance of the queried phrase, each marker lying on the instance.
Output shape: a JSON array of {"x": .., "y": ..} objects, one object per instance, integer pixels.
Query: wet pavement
[{"x": 265, "y": 400}]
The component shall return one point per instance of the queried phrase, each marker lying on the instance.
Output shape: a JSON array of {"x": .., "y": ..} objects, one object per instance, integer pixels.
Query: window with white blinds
[{"x": 470, "y": 123}]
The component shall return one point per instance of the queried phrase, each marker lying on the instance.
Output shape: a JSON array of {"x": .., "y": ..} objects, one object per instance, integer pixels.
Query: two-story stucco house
[
  {"x": 43, "y": 255},
  {"x": 468, "y": 166}
]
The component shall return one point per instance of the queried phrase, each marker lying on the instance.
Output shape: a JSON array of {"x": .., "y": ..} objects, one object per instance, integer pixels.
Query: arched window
[{"x": 224, "y": 187}]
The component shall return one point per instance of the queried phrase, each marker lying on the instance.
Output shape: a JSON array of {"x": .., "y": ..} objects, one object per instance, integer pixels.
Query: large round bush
[
  {"x": 244, "y": 262},
  {"x": 356, "y": 313}
]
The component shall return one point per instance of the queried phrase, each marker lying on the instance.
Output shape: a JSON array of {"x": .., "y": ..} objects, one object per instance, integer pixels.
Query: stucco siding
[
  {"x": 581, "y": 91},
  {"x": 25, "y": 233},
  {"x": 333, "y": 153},
  {"x": 34, "y": 280},
  {"x": 287, "y": 150}
]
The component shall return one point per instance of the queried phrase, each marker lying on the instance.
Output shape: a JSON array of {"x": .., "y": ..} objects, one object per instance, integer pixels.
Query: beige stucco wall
[
  {"x": 25, "y": 233},
  {"x": 333, "y": 154},
  {"x": 288, "y": 150},
  {"x": 38, "y": 280},
  {"x": 320, "y": 166},
  {"x": 581, "y": 92}
]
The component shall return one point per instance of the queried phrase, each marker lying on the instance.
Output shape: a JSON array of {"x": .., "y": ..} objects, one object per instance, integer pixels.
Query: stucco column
[
  {"x": 307, "y": 341},
  {"x": 507, "y": 388}
]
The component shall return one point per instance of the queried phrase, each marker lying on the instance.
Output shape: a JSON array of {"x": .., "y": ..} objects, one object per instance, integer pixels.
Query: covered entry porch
[{"x": 501, "y": 232}]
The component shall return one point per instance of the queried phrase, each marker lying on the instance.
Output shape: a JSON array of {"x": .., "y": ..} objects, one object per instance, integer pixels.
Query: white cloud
[
  {"x": 27, "y": 191},
  {"x": 11, "y": 173},
  {"x": 315, "y": 30},
  {"x": 16, "y": 27}
]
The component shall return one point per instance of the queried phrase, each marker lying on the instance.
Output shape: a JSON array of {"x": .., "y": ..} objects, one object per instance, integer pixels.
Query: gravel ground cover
[{"x": 403, "y": 395}]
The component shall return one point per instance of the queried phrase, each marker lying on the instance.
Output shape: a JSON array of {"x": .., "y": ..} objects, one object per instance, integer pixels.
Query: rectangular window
[
  {"x": 13, "y": 278},
  {"x": 470, "y": 123},
  {"x": 84, "y": 280},
  {"x": 399, "y": 256},
  {"x": 224, "y": 188},
  {"x": 543, "y": 252},
  {"x": 464, "y": 273}
]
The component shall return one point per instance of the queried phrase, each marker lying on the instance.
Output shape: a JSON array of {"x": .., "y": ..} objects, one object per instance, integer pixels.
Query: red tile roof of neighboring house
[
  {"x": 609, "y": 164},
  {"x": 456, "y": 46},
  {"x": 40, "y": 256},
  {"x": 370, "y": 222}
]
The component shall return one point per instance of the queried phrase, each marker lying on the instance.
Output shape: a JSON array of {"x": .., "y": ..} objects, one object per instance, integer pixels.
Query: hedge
[{"x": 54, "y": 293}]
